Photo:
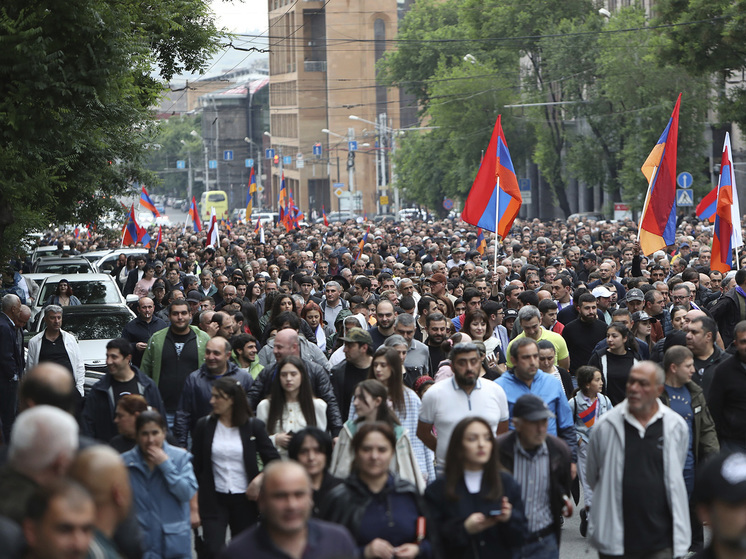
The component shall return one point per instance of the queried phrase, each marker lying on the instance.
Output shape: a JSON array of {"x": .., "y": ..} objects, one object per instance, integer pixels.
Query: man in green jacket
[
  {"x": 173, "y": 353},
  {"x": 686, "y": 398}
]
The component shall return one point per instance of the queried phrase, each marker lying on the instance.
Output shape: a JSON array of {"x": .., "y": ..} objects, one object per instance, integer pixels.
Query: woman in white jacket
[{"x": 56, "y": 345}]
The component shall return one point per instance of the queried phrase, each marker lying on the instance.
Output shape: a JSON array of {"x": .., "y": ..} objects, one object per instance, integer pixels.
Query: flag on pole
[
  {"x": 494, "y": 198},
  {"x": 132, "y": 233},
  {"x": 159, "y": 239},
  {"x": 250, "y": 192},
  {"x": 76, "y": 232},
  {"x": 326, "y": 219},
  {"x": 481, "y": 242},
  {"x": 658, "y": 219},
  {"x": 706, "y": 208},
  {"x": 194, "y": 214},
  {"x": 727, "y": 230},
  {"x": 148, "y": 203},
  {"x": 282, "y": 200},
  {"x": 258, "y": 224},
  {"x": 361, "y": 244},
  {"x": 213, "y": 237}
]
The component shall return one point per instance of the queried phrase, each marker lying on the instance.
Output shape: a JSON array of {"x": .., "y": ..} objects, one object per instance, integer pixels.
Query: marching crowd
[{"x": 334, "y": 392}]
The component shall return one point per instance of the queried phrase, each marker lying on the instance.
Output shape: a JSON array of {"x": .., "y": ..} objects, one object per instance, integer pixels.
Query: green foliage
[
  {"x": 78, "y": 80},
  {"x": 167, "y": 148}
]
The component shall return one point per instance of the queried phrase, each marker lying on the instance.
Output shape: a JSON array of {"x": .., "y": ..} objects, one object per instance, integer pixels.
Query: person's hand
[
  {"x": 477, "y": 522},
  {"x": 567, "y": 507},
  {"x": 334, "y": 441},
  {"x": 282, "y": 439},
  {"x": 573, "y": 470},
  {"x": 142, "y": 346},
  {"x": 407, "y": 551},
  {"x": 212, "y": 329},
  {"x": 194, "y": 518},
  {"x": 252, "y": 491},
  {"x": 507, "y": 510},
  {"x": 156, "y": 455},
  {"x": 492, "y": 361},
  {"x": 378, "y": 549},
  {"x": 636, "y": 248}
]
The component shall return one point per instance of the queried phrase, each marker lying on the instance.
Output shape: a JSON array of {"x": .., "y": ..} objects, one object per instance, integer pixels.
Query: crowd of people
[{"x": 400, "y": 392}]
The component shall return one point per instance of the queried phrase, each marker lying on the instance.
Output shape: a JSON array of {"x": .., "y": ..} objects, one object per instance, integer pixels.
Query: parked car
[
  {"x": 62, "y": 265},
  {"x": 47, "y": 250},
  {"x": 93, "y": 326},
  {"x": 104, "y": 261}
]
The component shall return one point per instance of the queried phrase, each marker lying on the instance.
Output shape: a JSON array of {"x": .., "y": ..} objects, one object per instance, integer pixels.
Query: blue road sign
[
  {"x": 352, "y": 145},
  {"x": 212, "y": 164},
  {"x": 524, "y": 184},
  {"x": 448, "y": 204},
  {"x": 269, "y": 153},
  {"x": 685, "y": 197},
  {"x": 317, "y": 149},
  {"x": 287, "y": 159},
  {"x": 228, "y": 155},
  {"x": 180, "y": 164},
  {"x": 249, "y": 162},
  {"x": 684, "y": 180},
  {"x": 338, "y": 185}
]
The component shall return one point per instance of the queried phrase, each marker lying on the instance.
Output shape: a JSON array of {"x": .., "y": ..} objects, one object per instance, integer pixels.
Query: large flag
[
  {"x": 250, "y": 192},
  {"x": 361, "y": 244},
  {"x": 133, "y": 233},
  {"x": 159, "y": 239},
  {"x": 727, "y": 230},
  {"x": 481, "y": 242},
  {"x": 213, "y": 237},
  {"x": 494, "y": 198},
  {"x": 706, "y": 208},
  {"x": 658, "y": 220},
  {"x": 258, "y": 224},
  {"x": 282, "y": 201},
  {"x": 194, "y": 214},
  {"x": 148, "y": 203}
]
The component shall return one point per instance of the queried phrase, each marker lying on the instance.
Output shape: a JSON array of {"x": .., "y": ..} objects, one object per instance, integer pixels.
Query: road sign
[
  {"x": 685, "y": 197},
  {"x": 260, "y": 188},
  {"x": 684, "y": 180},
  {"x": 338, "y": 185},
  {"x": 524, "y": 184},
  {"x": 249, "y": 162},
  {"x": 448, "y": 204},
  {"x": 300, "y": 163},
  {"x": 269, "y": 153},
  {"x": 621, "y": 212},
  {"x": 338, "y": 192},
  {"x": 287, "y": 159},
  {"x": 317, "y": 149},
  {"x": 384, "y": 200},
  {"x": 352, "y": 145},
  {"x": 228, "y": 155},
  {"x": 180, "y": 164},
  {"x": 212, "y": 164}
]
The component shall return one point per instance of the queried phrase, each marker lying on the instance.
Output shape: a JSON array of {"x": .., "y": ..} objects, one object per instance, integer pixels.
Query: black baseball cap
[
  {"x": 722, "y": 478},
  {"x": 531, "y": 408}
]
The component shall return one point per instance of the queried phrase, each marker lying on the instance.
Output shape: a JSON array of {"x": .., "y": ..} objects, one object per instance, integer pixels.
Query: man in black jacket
[
  {"x": 138, "y": 330},
  {"x": 726, "y": 397},
  {"x": 287, "y": 343},
  {"x": 540, "y": 463},
  {"x": 195, "y": 397},
  {"x": 731, "y": 308}
]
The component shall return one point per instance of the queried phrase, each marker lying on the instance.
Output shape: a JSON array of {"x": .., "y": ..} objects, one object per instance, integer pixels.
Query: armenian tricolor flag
[
  {"x": 588, "y": 416},
  {"x": 133, "y": 233},
  {"x": 361, "y": 244},
  {"x": 160, "y": 236},
  {"x": 706, "y": 208},
  {"x": 727, "y": 229},
  {"x": 250, "y": 192},
  {"x": 658, "y": 219},
  {"x": 481, "y": 242},
  {"x": 194, "y": 214},
  {"x": 148, "y": 203},
  {"x": 494, "y": 198},
  {"x": 326, "y": 219}
]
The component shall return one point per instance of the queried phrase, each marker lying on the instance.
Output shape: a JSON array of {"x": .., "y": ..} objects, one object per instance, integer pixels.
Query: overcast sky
[{"x": 241, "y": 17}]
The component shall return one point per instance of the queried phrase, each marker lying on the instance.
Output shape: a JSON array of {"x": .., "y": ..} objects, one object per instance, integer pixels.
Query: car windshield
[
  {"x": 63, "y": 268},
  {"x": 89, "y": 292},
  {"x": 95, "y": 326}
]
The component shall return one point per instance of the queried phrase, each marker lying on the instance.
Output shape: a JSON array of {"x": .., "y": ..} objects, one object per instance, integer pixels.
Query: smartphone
[{"x": 496, "y": 512}]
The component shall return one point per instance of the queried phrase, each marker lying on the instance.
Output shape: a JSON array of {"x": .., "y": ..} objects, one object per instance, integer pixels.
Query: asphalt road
[{"x": 573, "y": 545}]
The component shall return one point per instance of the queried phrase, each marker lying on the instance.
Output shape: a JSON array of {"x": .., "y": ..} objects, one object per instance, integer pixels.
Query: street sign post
[
  {"x": 228, "y": 155},
  {"x": 448, "y": 204},
  {"x": 352, "y": 145},
  {"x": 300, "y": 163},
  {"x": 249, "y": 162},
  {"x": 287, "y": 159},
  {"x": 685, "y": 197},
  {"x": 180, "y": 164},
  {"x": 317, "y": 149},
  {"x": 684, "y": 180},
  {"x": 269, "y": 153},
  {"x": 524, "y": 185},
  {"x": 212, "y": 164}
]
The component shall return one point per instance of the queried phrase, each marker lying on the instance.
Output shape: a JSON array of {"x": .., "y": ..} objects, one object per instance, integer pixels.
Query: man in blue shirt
[{"x": 526, "y": 378}]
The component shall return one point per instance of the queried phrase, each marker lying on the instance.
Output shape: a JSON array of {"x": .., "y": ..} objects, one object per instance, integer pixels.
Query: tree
[
  {"x": 174, "y": 141},
  {"x": 78, "y": 79}
]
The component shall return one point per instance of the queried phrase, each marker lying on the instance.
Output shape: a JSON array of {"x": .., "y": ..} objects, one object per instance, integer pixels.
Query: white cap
[{"x": 601, "y": 291}]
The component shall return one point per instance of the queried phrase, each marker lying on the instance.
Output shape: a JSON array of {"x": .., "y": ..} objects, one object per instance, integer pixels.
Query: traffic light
[{"x": 276, "y": 159}]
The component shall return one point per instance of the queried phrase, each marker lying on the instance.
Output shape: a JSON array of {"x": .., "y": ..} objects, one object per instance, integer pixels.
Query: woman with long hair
[
  {"x": 477, "y": 325},
  {"x": 281, "y": 303},
  {"x": 254, "y": 292},
  {"x": 230, "y": 448},
  {"x": 476, "y": 507},
  {"x": 63, "y": 295},
  {"x": 312, "y": 448},
  {"x": 616, "y": 361},
  {"x": 384, "y": 513},
  {"x": 290, "y": 406},
  {"x": 163, "y": 483},
  {"x": 144, "y": 285},
  {"x": 313, "y": 316},
  {"x": 371, "y": 404}
]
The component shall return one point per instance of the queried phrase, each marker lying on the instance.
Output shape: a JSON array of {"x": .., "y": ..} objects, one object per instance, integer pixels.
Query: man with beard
[
  {"x": 583, "y": 333},
  {"x": 448, "y": 402},
  {"x": 385, "y": 316},
  {"x": 138, "y": 330},
  {"x": 437, "y": 331}
]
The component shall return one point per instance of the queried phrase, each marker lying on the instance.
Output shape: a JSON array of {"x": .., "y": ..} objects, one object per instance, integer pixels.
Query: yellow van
[{"x": 217, "y": 199}]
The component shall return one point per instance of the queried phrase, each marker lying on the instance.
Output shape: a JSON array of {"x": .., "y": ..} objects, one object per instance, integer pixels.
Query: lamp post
[
  {"x": 350, "y": 162},
  {"x": 207, "y": 167},
  {"x": 190, "y": 175}
]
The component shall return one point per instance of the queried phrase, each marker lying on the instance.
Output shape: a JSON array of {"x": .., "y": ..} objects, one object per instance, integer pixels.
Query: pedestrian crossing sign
[{"x": 684, "y": 197}]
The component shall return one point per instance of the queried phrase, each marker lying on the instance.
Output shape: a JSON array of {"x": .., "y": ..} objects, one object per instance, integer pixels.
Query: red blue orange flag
[
  {"x": 282, "y": 200},
  {"x": 361, "y": 244},
  {"x": 159, "y": 239},
  {"x": 76, "y": 232},
  {"x": 494, "y": 198},
  {"x": 706, "y": 208},
  {"x": 326, "y": 219},
  {"x": 194, "y": 214},
  {"x": 588, "y": 416},
  {"x": 658, "y": 219},
  {"x": 727, "y": 230},
  {"x": 481, "y": 242},
  {"x": 148, "y": 203},
  {"x": 250, "y": 192},
  {"x": 133, "y": 233},
  {"x": 258, "y": 224}
]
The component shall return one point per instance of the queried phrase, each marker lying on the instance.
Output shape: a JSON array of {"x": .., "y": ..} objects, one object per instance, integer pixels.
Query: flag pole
[
  {"x": 647, "y": 200},
  {"x": 497, "y": 222}
]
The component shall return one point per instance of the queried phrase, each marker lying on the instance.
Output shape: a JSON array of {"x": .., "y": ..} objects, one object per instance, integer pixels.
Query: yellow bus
[{"x": 217, "y": 199}]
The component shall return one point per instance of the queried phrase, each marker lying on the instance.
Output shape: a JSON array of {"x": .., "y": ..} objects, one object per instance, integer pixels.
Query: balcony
[{"x": 314, "y": 65}]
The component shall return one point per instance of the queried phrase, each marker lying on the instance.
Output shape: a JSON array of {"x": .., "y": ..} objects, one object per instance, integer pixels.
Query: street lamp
[
  {"x": 190, "y": 177},
  {"x": 207, "y": 167},
  {"x": 350, "y": 157}
]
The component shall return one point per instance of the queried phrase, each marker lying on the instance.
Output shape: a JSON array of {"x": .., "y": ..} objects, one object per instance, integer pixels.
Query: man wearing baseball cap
[
  {"x": 345, "y": 376},
  {"x": 540, "y": 463},
  {"x": 720, "y": 494}
]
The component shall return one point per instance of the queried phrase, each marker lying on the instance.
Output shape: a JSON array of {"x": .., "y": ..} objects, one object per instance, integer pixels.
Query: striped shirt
[{"x": 531, "y": 471}]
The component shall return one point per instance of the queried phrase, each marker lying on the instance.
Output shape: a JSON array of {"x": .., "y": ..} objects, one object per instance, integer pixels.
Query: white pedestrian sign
[{"x": 684, "y": 197}]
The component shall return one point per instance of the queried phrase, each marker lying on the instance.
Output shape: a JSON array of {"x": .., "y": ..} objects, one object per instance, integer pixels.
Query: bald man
[
  {"x": 102, "y": 472},
  {"x": 286, "y": 501},
  {"x": 47, "y": 384}
]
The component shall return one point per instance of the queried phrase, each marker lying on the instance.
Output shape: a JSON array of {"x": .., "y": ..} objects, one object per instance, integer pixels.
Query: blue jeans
[{"x": 544, "y": 548}]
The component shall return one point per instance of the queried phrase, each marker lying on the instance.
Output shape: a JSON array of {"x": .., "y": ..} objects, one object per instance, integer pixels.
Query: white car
[{"x": 105, "y": 261}]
